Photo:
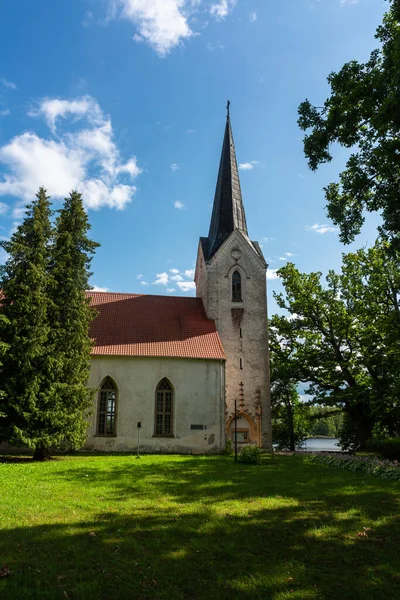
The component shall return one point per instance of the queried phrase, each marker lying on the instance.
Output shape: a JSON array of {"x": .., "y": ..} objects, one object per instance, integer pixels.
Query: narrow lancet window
[
  {"x": 164, "y": 408},
  {"x": 236, "y": 287},
  {"x": 107, "y": 408}
]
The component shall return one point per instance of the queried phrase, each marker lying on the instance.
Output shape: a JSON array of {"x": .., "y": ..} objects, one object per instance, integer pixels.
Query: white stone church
[{"x": 176, "y": 365}]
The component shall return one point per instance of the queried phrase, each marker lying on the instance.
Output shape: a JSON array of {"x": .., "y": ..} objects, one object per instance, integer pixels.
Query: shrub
[
  {"x": 383, "y": 469},
  {"x": 228, "y": 451},
  {"x": 250, "y": 455},
  {"x": 388, "y": 448}
]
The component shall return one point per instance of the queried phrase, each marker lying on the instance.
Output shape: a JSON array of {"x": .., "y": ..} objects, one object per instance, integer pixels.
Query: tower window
[
  {"x": 241, "y": 364},
  {"x": 236, "y": 287}
]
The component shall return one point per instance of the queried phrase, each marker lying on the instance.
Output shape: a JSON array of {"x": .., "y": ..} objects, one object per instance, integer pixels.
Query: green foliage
[
  {"x": 361, "y": 464},
  {"x": 250, "y": 455},
  {"x": 342, "y": 338},
  {"x": 25, "y": 375},
  {"x": 362, "y": 114},
  {"x": 70, "y": 317},
  {"x": 325, "y": 421},
  {"x": 3, "y": 351},
  {"x": 388, "y": 448},
  {"x": 290, "y": 423},
  {"x": 228, "y": 450},
  {"x": 45, "y": 327}
]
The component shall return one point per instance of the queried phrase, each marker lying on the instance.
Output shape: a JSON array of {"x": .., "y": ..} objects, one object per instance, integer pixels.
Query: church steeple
[{"x": 228, "y": 211}]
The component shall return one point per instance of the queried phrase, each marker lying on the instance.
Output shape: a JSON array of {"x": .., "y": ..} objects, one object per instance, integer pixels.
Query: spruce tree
[
  {"x": 28, "y": 416},
  {"x": 70, "y": 316}
]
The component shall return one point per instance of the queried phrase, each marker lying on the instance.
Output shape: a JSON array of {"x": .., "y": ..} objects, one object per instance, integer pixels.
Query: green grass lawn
[{"x": 171, "y": 527}]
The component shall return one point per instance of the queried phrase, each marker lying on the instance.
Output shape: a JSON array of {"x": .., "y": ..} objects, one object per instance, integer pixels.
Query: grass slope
[{"x": 113, "y": 527}]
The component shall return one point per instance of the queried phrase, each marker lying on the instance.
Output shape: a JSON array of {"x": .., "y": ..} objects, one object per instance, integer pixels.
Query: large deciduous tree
[
  {"x": 343, "y": 337},
  {"x": 362, "y": 113}
]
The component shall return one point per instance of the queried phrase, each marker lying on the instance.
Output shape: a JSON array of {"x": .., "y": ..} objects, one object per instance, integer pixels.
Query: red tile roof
[{"x": 141, "y": 325}]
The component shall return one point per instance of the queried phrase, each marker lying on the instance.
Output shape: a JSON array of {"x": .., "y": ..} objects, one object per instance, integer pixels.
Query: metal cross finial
[{"x": 227, "y": 107}]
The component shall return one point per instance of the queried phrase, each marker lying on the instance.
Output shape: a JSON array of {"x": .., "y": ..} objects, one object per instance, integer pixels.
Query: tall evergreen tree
[
  {"x": 3, "y": 350},
  {"x": 70, "y": 316},
  {"x": 28, "y": 407}
]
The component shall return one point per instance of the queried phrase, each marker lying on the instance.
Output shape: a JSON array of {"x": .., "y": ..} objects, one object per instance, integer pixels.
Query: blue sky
[{"x": 124, "y": 100}]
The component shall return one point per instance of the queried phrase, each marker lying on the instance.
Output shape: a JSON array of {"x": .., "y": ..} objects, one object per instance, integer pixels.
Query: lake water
[{"x": 318, "y": 444}]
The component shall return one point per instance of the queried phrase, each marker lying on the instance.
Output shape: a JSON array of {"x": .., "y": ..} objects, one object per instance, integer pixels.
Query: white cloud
[
  {"x": 191, "y": 131},
  {"x": 189, "y": 273},
  {"x": 289, "y": 254},
  {"x": 4, "y": 112},
  {"x": 222, "y": 9},
  {"x": 86, "y": 159},
  {"x": 54, "y": 108},
  {"x": 186, "y": 286},
  {"x": 176, "y": 278},
  {"x": 162, "y": 279},
  {"x": 96, "y": 288},
  {"x": 144, "y": 283},
  {"x": 19, "y": 212},
  {"x": 214, "y": 46},
  {"x": 140, "y": 276},
  {"x": 3, "y": 208},
  {"x": 170, "y": 290},
  {"x": 174, "y": 167},
  {"x": 345, "y": 2},
  {"x": 179, "y": 205},
  {"x": 282, "y": 258},
  {"x": 321, "y": 228},
  {"x": 271, "y": 274},
  {"x": 162, "y": 24},
  {"x": 3, "y": 256},
  {"x": 252, "y": 17},
  {"x": 248, "y": 166},
  {"x": 174, "y": 271},
  {"x": 8, "y": 84}
]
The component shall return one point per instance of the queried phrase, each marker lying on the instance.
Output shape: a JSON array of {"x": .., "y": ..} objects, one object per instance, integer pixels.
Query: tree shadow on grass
[{"x": 283, "y": 530}]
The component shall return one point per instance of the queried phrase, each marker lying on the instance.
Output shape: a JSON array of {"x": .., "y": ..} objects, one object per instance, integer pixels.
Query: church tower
[{"x": 231, "y": 280}]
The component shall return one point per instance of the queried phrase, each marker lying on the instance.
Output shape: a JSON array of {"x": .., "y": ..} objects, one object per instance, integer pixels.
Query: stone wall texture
[{"x": 242, "y": 326}]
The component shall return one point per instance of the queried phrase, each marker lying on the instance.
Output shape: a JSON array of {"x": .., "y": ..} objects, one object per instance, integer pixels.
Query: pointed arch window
[
  {"x": 106, "y": 420},
  {"x": 164, "y": 409},
  {"x": 236, "y": 287}
]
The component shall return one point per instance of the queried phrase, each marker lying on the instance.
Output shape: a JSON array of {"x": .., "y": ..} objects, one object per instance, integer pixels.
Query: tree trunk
[
  {"x": 292, "y": 444},
  {"x": 41, "y": 453}
]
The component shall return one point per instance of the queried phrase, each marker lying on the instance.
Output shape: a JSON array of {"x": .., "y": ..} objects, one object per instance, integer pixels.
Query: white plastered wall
[{"x": 198, "y": 400}]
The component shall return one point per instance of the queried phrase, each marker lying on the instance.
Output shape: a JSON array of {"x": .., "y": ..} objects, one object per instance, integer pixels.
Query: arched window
[
  {"x": 107, "y": 408},
  {"x": 164, "y": 408},
  {"x": 236, "y": 287}
]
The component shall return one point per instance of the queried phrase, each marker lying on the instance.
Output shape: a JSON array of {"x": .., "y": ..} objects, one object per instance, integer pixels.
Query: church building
[{"x": 175, "y": 367}]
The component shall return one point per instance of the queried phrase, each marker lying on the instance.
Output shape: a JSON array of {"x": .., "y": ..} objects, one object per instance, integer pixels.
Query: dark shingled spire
[{"x": 228, "y": 211}]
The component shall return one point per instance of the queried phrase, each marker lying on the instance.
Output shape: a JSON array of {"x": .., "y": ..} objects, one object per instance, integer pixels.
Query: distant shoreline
[{"x": 321, "y": 437}]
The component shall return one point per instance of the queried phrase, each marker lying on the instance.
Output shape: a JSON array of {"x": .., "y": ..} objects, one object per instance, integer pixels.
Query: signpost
[
  {"x": 235, "y": 432},
  {"x": 139, "y": 426}
]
